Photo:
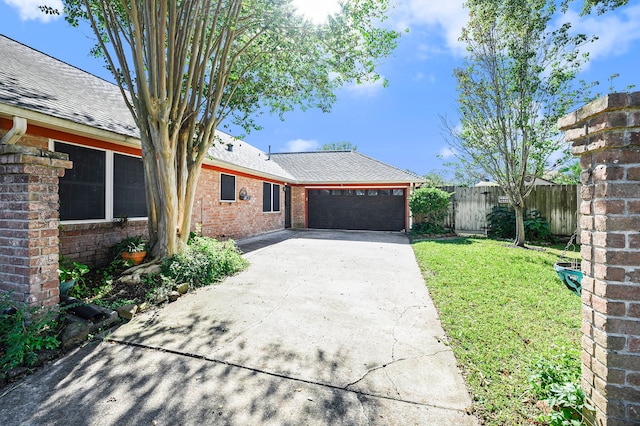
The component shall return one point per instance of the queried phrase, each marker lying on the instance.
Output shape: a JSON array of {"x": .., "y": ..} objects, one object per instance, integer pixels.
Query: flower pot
[
  {"x": 135, "y": 258},
  {"x": 66, "y": 286}
]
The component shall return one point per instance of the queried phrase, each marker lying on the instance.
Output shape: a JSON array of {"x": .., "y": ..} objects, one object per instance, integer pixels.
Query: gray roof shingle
[
  {"x": 245, "y": 155},
  {"x": 31, "y": 80},
  {"x": 37, "y": 82},
  {"x": 340, "y": 167}
]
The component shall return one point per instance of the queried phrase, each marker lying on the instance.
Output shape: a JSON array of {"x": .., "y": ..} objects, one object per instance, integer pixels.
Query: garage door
[{"x": 362, "y": 209}]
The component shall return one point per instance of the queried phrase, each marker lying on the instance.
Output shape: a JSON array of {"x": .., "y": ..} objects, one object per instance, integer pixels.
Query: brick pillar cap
[{"x": 612, "y": 101}]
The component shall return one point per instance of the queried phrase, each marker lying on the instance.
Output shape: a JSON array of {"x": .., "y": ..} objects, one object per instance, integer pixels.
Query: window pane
[
  {"x": 373, "y": 192},
  {"x": 385, "y": 192},
  {"x": 227, "y": 187},
  {"x": 398, "y": 192},
  {"x": 276, "y": 198},
  {"x": 266, "y": 197},
  {"x": 129, "y": 198},
  {"x": 82, "y": 189}
]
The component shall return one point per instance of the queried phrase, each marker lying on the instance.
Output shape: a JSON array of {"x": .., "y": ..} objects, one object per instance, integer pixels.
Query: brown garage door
[{"x": 362, "y": 209}]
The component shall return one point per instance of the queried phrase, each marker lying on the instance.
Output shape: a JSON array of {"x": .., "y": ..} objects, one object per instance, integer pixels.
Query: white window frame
[
  {"x": 108, "y": 190},
  {"x": 271, "y": 192}
]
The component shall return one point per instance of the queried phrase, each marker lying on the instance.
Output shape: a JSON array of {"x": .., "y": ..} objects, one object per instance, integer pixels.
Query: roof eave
[
  {"x": 68, "y": 126},
  {"x": 246, "y": 170},
  {"x": 364, "y": 182}
]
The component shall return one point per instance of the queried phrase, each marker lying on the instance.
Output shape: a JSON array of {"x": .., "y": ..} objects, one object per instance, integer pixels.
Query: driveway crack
[
  {"x": 384, "y": 366},
  {"x": 395, "y": 327}
]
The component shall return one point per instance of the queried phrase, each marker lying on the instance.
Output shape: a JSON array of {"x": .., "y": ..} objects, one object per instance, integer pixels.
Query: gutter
[
  {"x": 16, "y": 132},
  {"x": 65, "y": 125}
]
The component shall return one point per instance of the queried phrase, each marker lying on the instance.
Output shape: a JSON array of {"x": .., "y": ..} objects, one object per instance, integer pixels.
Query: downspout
[{"x": 16, "y": 132}]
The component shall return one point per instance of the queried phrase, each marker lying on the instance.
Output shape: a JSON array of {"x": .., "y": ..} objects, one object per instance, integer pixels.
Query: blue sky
[{"x": 400, "y": 124}]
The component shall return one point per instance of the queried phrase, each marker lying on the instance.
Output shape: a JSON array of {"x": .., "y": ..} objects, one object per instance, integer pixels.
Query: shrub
[
  {"x": 501, "y": 223},
  {"x": 557, "y": 381},
  {"x": 24, "y": 332},
  {"x": 204, "y": 261},
  {"x": 426, "y": 228},
  {"x": 433, "y": 203}
]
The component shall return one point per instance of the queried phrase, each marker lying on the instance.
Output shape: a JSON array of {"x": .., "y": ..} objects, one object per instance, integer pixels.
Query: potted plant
[
  {"x": 69, "y": 273},
  {"x": 132, "y": 250}
]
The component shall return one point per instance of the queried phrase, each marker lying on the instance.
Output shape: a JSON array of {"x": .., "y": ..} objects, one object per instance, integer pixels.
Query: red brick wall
[
  {"x": 29, "y": 223},
  {"x": 90, "y": 243},
  {"x": 298, "y": 206},
  {"x": 239, "y": 219},
  {"x": 606, "y": 136}
]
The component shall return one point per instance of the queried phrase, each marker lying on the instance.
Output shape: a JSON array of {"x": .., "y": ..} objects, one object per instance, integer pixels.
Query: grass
[{"x": 503, "y": 310}]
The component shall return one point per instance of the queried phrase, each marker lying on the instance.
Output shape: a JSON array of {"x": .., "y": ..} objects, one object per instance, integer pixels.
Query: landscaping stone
[
  {"x": 173, "y": 296},
  {"x": 76, "y": 332},
  {"x": 182, "y": 288},
  {"x": 127, "y": 311}
]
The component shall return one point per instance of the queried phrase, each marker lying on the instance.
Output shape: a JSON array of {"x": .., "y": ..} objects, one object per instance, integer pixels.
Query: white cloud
[
  {"x": 28, "y": 9},
  {"x": 448, "y": 17},
  {"x": 316, "y": 10},
  {"x": 616, "y": 31},
  {"x": 367, "y": 89},
  {"x": 302, "y": 145},
  {"x": 420, "y": 76},
  {"x": 446, "y": 153}
]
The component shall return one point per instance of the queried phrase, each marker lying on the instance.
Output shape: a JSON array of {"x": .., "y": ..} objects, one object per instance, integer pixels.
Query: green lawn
[{"x": 503, "y": 309}]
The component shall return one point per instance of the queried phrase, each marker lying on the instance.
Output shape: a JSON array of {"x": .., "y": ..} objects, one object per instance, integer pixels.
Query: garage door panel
[{"x": 376, "y": 210}]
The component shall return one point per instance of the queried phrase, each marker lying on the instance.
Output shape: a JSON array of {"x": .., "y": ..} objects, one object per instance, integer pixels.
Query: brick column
[
  {"x": 29, "y": 223},
  {"x": 605, "y": 134}
]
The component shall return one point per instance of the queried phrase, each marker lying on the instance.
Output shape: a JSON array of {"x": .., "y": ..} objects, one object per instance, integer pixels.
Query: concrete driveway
[{"x": 324, "y": 328}]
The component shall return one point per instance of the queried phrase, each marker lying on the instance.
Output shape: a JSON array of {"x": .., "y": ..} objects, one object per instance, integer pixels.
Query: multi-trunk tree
[
  {"x": 518, "y": 80},
  {"x": 185, "y": 67}
]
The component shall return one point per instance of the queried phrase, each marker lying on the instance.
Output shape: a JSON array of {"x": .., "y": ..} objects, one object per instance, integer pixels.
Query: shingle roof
[
  {"x": 245, "y": 155},
  {"x": 34, "y": 81},
  {"x": 340, "y": 167},
  {"x": 31, "y": 80}
]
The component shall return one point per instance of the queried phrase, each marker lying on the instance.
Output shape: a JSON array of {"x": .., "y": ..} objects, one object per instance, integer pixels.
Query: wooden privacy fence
[{"x": 470, "y": 206}]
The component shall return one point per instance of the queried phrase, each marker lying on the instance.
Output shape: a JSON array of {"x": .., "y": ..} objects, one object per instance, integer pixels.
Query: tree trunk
[{"x": 519, "y": 241}]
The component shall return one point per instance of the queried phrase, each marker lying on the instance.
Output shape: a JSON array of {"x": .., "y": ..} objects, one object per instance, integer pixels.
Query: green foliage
[
  {"x": 431, "y": 202},
  {"x": 339, "y": 146},
  {"x": 133, "y": 244},
  {"x": 204, "y": 262},
  {"x": 69, "y": 270},
  {"x": 24, "y": 332},
  {"x": 569, "y": 174},
  {"x": 557, "y": 381},
  {"x": 518, "y": 80},
  {"x": 426, "y": 228},
  {"x": 501, "y": 223},
  {"x": 502, "y": 309}
]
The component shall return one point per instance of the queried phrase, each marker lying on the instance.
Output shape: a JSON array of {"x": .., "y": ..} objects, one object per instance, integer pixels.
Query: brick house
[{"x": 51, "y": 111}]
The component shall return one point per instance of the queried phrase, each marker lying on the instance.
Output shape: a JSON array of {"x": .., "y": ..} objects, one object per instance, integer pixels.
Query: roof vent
[{"x": 230, "y": 147}]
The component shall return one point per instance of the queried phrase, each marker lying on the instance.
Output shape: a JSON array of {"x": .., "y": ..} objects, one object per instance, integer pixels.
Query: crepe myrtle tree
[
  {"x": 186, "y": 66},
  {"x": 517, "y": 81}
]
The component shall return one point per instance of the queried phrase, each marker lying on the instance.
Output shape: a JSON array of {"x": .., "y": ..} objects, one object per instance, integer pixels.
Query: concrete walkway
[{"x": 324, "y": 328}]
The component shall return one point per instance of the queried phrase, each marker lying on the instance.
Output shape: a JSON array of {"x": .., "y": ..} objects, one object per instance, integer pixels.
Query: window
[
  {"x": 372, "y": 192},
  {"x": 101, "y": 185},
  {"x": 129, "y": 198},
  {"x": 270, "y": 197},
  {"x": 398, "y": 192},
  {"x": 227, "y": 187},
  {"x": 83, "y": 188}
]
